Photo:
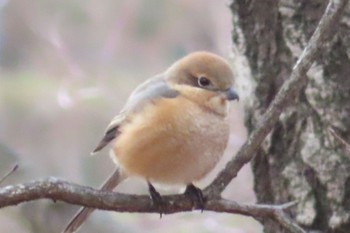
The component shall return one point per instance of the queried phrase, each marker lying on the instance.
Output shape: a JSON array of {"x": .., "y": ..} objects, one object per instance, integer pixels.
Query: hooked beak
[{"x": 231, "y": 94}]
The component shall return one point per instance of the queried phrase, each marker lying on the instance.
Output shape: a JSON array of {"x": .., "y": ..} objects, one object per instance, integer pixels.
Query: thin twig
[
  {"x": 339, "y": 138},
  {"x": 9, "y": 173},
  {"x": 283, "y": 98},
  {"x": 288, "y": 205}
]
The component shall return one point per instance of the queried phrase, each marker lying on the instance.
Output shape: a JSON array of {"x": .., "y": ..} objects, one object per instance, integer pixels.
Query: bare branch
[
  {"x": 9, "y": 173},
  {"x": 284, "y": 97},
  {"x": 59, "y": 190}
]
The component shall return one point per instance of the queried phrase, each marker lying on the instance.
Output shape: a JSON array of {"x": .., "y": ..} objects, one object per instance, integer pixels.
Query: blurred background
[{"x": 66, "y": 68}]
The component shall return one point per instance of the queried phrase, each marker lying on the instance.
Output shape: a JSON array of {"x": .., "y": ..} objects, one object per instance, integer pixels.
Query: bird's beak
[{"x": 231, "y": 94}]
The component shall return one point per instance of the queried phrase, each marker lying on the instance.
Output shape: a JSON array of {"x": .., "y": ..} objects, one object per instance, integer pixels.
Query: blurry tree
[{"x": 300, "y": 160}]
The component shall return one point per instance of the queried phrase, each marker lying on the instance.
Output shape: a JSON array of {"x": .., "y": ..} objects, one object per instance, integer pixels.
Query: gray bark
[{"x": 300, "y": 159}]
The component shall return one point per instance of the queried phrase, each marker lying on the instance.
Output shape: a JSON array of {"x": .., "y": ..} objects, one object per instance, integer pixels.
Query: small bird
[{"x": 173, "y": 128}]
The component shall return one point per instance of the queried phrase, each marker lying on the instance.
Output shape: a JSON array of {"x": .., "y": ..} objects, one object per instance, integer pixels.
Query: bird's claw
[
  {"x": 196, "y": 195},
  {"x": 157, "y": 199}
]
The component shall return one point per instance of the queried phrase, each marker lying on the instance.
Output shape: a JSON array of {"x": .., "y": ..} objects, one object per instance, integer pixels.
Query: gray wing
[{"x": 152, "y": 89}]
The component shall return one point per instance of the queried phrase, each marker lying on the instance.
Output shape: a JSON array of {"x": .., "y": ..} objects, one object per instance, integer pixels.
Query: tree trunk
[{"x": 300, "y": 159}]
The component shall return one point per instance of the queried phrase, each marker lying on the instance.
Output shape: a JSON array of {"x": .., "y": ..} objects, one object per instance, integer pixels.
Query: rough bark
[
  {"x": 59, "y": 190},
  {"x": 300, "y": 159}
]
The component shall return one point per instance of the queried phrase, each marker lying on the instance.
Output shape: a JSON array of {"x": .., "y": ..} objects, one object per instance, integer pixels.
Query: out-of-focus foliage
[{"x": 66, "y": 67}]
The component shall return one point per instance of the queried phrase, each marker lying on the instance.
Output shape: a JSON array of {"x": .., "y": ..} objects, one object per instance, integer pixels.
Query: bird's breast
[{"x": 172, "y": 141}]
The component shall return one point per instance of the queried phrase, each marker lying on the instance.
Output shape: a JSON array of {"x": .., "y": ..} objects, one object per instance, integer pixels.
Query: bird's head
[{"x": 204, "y": 70}]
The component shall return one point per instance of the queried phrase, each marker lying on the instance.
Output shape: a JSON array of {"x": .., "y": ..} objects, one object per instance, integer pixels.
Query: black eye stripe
[{"x": 193, "y": 81}]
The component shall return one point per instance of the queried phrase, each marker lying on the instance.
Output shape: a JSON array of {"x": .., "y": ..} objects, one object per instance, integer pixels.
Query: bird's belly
[{"x": 178, "y": 146}]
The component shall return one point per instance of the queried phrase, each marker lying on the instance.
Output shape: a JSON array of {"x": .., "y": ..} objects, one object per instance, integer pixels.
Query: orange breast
[{"x": 172, "y": 141}]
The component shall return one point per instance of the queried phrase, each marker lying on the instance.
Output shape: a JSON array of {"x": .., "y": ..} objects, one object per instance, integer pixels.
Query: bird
[{"x": 173, "y": 128}]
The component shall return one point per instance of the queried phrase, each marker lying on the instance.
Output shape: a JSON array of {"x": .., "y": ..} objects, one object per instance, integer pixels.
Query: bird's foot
[
  {"x": 156, "y": 199},
  {"x": 196, "y": 195}
]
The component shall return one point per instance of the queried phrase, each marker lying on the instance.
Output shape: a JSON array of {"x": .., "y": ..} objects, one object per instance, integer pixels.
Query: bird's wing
[{"x": 146, "y": 92}]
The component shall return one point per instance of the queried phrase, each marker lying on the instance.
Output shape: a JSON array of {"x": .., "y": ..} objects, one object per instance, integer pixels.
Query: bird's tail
[{"x": 79, "y": 218}]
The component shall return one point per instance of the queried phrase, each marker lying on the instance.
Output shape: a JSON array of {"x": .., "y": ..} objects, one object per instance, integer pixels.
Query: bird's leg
[
  {"x": 156, "y": 198},
  {"x": 196, "y": 195}
]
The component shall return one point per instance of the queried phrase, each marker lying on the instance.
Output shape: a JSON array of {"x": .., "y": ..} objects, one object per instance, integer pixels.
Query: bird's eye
[{"x": 203, "y": 81}]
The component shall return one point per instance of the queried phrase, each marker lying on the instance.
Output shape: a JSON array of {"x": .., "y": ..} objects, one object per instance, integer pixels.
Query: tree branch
[
  {"x": 59, "y": 190},
  {"x": 284, "y": 97}
]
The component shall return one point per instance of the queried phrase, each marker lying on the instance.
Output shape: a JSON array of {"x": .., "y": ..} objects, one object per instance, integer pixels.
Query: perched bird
[{"x": 173, "y": 128}]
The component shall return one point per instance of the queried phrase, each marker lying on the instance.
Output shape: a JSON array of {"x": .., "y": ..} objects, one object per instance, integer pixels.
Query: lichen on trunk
[{"x": 300, "y": 159}]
